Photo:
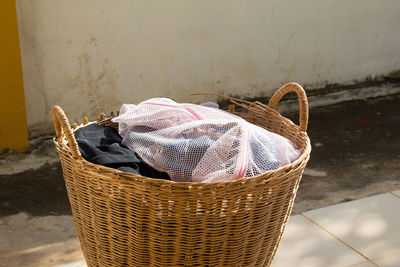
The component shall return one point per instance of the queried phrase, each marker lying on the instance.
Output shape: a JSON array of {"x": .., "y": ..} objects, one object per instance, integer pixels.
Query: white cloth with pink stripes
[{"x": 195, "y": 143}]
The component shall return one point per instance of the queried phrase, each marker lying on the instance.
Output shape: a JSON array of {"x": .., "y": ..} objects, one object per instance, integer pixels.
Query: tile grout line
[
  {"x": 337, "y": 238},
  {"x": 386, "y": 256},
  {"x": 394, "y": 194}
]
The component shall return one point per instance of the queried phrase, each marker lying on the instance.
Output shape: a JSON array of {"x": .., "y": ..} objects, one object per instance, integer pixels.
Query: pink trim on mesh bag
[{"x": 197, "y": 116}]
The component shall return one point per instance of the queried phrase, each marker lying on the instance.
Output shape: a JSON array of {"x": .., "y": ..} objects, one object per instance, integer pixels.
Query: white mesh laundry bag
[{"x": 195, "y": 143}]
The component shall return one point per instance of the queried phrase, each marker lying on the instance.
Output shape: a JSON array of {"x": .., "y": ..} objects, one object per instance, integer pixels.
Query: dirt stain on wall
[{"x": 94, "y": 83}]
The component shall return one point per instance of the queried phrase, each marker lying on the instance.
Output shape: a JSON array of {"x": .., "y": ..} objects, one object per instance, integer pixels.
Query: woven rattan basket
[{"x": 124, "y": 219}]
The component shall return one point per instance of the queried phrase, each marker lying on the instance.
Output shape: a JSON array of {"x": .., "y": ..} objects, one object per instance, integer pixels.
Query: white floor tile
[
  {"x": 389, "y": 261},
  {"x": 396, "y": 192},
  {"x": 305, "y": 244},
  {"x": 368, "y": 225}
]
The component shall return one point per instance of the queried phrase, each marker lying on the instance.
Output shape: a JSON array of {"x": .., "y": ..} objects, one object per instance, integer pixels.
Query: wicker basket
[{"x": 124, "y": 219}]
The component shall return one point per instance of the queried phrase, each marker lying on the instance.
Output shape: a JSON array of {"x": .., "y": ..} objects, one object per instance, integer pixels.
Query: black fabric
[{"x": 102, "y": 145}]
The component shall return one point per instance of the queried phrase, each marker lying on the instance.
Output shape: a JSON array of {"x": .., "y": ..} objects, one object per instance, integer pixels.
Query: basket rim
[{"x": 129, "y": 177}]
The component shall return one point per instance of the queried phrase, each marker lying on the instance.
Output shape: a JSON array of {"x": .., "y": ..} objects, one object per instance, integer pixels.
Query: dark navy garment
[
  {"x": 102, "y": 145},
  {"x": 180, "y": 153}
]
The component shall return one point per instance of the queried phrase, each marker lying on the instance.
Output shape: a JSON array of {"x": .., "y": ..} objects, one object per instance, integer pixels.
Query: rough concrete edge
[
  {"x": 44, "y": 153},
  {"x": 33, "y": 142},
  {"x": 344, "y": 96},
  {"x": 337, "y": 91}
]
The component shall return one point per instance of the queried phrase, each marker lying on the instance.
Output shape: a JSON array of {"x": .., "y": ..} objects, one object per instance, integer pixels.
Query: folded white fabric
[{"x": 195, "y": 143}]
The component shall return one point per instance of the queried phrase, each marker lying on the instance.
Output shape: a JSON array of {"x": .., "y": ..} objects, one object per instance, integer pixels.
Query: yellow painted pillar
[{"x": 13, "y": 124}]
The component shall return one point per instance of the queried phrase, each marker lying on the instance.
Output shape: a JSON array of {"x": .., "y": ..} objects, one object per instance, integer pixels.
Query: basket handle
[
  {"x": 303, "y": 102},
  {"x": 61, "y": 125}
]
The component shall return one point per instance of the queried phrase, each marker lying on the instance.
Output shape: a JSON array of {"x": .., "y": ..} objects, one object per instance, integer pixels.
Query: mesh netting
[{"x": 195, "y": 143}]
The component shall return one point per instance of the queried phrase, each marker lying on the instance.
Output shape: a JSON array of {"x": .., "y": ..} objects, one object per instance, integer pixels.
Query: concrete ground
[{"x": 356, "y": 153}]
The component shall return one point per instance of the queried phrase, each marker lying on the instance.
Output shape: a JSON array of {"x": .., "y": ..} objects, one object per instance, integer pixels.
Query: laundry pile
[{"x": 186, "y": 143}]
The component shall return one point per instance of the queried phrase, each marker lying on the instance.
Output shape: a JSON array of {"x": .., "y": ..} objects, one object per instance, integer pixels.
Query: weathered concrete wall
[{"x": 92, "y": 55}]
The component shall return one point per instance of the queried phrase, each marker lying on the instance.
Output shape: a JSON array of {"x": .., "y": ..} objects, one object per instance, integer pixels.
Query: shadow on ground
[{"x": 38, "y": 192}]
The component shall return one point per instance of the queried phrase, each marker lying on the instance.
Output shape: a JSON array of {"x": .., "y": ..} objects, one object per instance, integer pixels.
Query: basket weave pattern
[{"x": 124, "y": 219}]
